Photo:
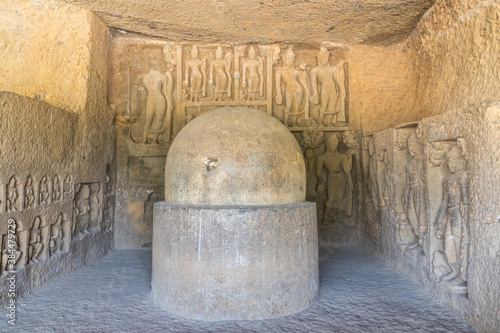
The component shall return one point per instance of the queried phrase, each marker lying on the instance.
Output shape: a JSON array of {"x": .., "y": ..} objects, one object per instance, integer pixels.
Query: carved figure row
[
  {"x": 21, "y": 196},
  {"x": 298, "y": 89},
  {"x": 21, "y": 247},
  {"x": 89, "y": 215},
  {"x": 449, "y": 242}
]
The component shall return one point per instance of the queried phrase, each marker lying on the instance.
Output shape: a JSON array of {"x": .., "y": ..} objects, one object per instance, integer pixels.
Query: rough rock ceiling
[{"x": 264, "y": 21}]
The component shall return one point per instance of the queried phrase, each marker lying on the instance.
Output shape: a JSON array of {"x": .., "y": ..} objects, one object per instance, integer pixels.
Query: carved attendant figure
[
  {"x": 13, "y": 197},
  {"x": 294, "y": 93},
  {"x": 414, "y": 188},
  {"x": 56, "y": 190},
  {"x": 67, "y": 187},
  {"x": 373, "y": 187},
  {"x": 324, "y": 76},
  {"x": 195, "y": 75},
  {"x": 454, "y": 212},
  {"x": 56, "y": 236},
  {"x": 44, "y": 191},
  {"x": 220, "y": 69},
  {"x": 253, "y": 75},
  {"x": 82, "y": 211},
  {"x": 95, "y": 205},
  {"x": 35, "y": 246},
  {"x": 29, "y": 194},
  {"x": 158, "y": 104},
  {"x": 352, "y": 144},
  {"x": 337, "y": 165},
  {"x": 10, "y": 255}
]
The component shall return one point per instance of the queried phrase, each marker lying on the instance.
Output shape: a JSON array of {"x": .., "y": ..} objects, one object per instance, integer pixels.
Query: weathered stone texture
[
  {"x": 456, "y": 47},
  {"x": 57, "y": 144},
  {"x": 235, "y": 262},
  {"x": 44, "y": 52},
  {"x": 382, "y": 86},
  {"x": 266, "y": 21}
]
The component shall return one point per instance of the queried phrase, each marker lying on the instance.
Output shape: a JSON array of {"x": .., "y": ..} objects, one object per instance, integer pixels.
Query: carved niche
[{"x": 333, "y": 172}]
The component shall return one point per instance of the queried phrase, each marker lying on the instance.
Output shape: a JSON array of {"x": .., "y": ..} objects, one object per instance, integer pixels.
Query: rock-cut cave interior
[{"x": 250, "y": 166}]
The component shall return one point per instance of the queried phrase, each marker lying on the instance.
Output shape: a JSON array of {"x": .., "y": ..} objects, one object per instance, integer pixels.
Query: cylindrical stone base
[{"x": 234, "y": 262}]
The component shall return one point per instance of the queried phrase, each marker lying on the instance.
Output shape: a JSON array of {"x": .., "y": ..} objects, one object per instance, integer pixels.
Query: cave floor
[{"x": 358, "y": 293}]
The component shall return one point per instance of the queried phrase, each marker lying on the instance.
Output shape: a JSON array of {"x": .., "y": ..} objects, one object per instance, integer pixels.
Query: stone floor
[{"x": 359, "y": 293}]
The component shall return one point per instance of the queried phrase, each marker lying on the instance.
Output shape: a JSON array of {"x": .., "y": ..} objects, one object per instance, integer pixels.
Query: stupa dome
[{"x": 235, "y": 156}]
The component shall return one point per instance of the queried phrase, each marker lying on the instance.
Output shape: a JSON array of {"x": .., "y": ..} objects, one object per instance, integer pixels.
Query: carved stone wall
[
  {"x": 158, "y": 86},
  {"x": 436, "y": 183},
  {"x": 52, "y": 142}
]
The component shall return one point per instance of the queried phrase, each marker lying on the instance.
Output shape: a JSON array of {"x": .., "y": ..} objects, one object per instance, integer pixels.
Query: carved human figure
[
  {"x": 253, "y": 75},
  {"x": 352, "y": 145},
  {"x": 453, "y": 213},
  {"x": 323, "y": 77},
  {"x": 295, "y": 85},
  {"x": 195, "y": 75},
  {"x": 10, "y": 253},
  {"x": 387, "y": 186},
  {"x": 95, "y": 204},
  {"x": 413, "y": 195},
  {"x": 220, "y": 75},
  {"x": 44, "y": 192},
  {"x": 56, "y": 189},
  {"x": 159, "y": 104},
  {"x": 67, "y": 187},
  {"x": 106, "y": 216},
  {"x": 13, "y": 196},
  {"x": 35, "y": 244},
  {"x": 29, "y": 194},
  {"x": 311, "y": 139},
  {"x": 56, "y": 236},
  {"x": 82, "y": 211},
  {"x": 372, "y": 174},
  {"x": 337, "y": 165}
]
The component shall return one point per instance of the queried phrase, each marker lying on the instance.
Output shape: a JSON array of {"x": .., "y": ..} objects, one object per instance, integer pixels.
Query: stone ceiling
[{"x": 265, "y": 21}]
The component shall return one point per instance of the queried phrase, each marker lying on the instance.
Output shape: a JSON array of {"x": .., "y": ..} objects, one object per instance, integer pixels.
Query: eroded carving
[
  {"x": 14, "y": 201},
  {"x": 195, "y": 77},
  {"x": 56, "y": 236},
  {"x": 372, "y": 175},
  {"x": 56, "y": 189},
  {"x": 44, "y": 193},
  {"x": 95, "y": 206},
  {"x": 159, "y": 106},
  {"x": 253, "y": 76},
  {"x": 326, "y": 90},
  {"x": 67, "y": 187},
  {"x": 82, "y": 211},
  {"x": 295, "y": 85},
  {"x": 311, "y": 139},
  {"x": 337, "y": 166},
  {"x": 452, "y": 223},
  {"x": 35, "y": 243},
  {"x": 220, "y": 75},
  {"x": 413, "y": 196},
  {"x": 11, "y": 254},
  {"x": 29, "y": 194}
]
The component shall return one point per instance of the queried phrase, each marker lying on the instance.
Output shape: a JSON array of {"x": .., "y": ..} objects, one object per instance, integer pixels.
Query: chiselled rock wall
[
  {"x": 432, "y": 206},
  {"x": 157, "y": 86},
  {"x": 456, "y": 47},
  {"x": 57, "y": 144}
]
